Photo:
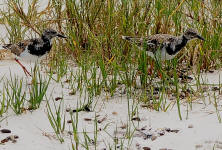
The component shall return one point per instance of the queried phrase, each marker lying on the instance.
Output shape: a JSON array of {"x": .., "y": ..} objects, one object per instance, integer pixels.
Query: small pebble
[
  {"x": 5, "y": 131},
  {"x": 86, "y": 108},
  {"x": 175, "y": 131},
  {"x": 205, "y": 88},
  {"x": 101, "y": 120},
  {"x": 69, "y": 121},
  {"x": 146, "y": 148},
  {"x": 198, "y": 146},
  {"x": 12, "y": 138},
  {"x": 153, "y": 137},
  {"x": 87, "y": 119},
  {"x": 148, "y": 135},
  {"x": 123, "y": 126},
  {"x": 70, "y": 133},
  {"x": 190, "y": 126},
  {"x": 16, "y": 136},
  {"x": 92, "y": 142},
  {"x": 143, "y": 128},
  {"x": 167, "y": 129},
  {"x": 138, "y": 146},
  {"x": 72, "y": 93},
  {"x": 114, "y": 113},
  {"x": 68, "y": 109},
  {"x": 4, "y": 140},
  {"x": 58, "y": 98},
  {"x": 161, "y": 133},
  {"x": 136, "y": 119},
  {"x": 215, "y": 88},
  {"x": 67, "y": 81}
]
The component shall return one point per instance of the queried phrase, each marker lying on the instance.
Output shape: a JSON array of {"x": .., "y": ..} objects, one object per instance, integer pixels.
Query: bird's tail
[
  {"x": 7, "y": 46},
  {"x": 135, "y": 40},
  {"x": 128, "y": 38}
]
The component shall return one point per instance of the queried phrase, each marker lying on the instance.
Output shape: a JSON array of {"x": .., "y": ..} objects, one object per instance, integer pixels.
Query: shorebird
[
  {"x": 164, "y": 46},
  {"x": 33, "y": 49}
]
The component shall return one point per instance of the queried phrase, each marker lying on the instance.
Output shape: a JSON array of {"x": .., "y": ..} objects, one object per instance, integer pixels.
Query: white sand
[{"x": 35, "y": 132}]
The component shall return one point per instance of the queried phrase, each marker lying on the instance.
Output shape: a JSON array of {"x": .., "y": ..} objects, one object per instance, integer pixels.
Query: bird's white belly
[
  {"x": 165, "y": 55},
  {"x": 26, "y": 56},
  {"x": 150, "y": 54},
  {"x": 160, "y": 54},
  {"x": 147, "y": 52}
]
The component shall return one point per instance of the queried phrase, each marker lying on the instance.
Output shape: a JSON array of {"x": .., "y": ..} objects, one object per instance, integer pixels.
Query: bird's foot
[{"x": 23, "y": 67}]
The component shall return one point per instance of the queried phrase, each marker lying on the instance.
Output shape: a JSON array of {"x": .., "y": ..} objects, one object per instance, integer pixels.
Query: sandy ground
[{"x": 199, "y": 129}]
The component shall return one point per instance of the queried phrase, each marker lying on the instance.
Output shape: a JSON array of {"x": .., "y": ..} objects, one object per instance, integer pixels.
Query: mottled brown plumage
[
  {"x": 153, "y": 42},
  {"x": 19, "y": 47},
  {"x": 164, "y": 45},
  {"x": 37, "y": 46},
  {"x": 33, "y": 49},
  {"x": 6, "y": 55}
]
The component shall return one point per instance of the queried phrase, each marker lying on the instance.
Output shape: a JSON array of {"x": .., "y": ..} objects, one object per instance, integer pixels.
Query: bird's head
[
  {"x": 191, "y": 33},
  {"x": 51, "y": 33}
]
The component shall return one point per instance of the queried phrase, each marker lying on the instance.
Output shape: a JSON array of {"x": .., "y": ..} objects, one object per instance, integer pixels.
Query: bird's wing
[
  {"x": 135, "y": 40},
  {"x": 159, "y": 40},
  {"x": 151, "y": 43},
  {"x": 141, "y": 42},
  {"x": 19, "y": 47}
]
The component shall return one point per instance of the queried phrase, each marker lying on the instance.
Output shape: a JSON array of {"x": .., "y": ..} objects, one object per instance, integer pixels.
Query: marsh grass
[
  {"x": 3, "y": 105},
  {"x": 75, "y": 123},
  {"x": 20, "y": 96},
  {"x": 57, "y": 119},
  {"x": 15, "y": 94},
  {"x": 87, "y": 140},
  {"x": 59, "y": 63},
  {"x": 216, "y": 108},
  {"x": 37, "y": 89}
]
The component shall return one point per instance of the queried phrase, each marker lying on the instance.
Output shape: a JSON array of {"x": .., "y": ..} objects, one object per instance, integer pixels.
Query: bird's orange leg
[
  {"x": 150, "y": 70},
  {"x": 160, "y": 74},
  {"x": 23, "y": 67}
]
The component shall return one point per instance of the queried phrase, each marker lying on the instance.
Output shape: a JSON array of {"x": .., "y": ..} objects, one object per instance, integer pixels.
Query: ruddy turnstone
[
  {"x": 33, "y": 49},
  {"x": 163, "y": 46}
]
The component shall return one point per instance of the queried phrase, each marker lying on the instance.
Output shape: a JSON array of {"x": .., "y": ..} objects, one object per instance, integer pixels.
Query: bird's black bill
[
  {"x": 200, "y": 37},
  {"x": 62, "y": 36}
]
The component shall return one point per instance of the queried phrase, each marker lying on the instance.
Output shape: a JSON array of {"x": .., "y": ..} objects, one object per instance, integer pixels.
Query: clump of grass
[
  {"x": 15, "y": 94},
  {"x": 75, "y": 124},
  {"x": 216, "y": 108},
  {"x": 37, "y": 89},
  {"x": 57, "y": 120},
  {"x": 3, "y": 104}
]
